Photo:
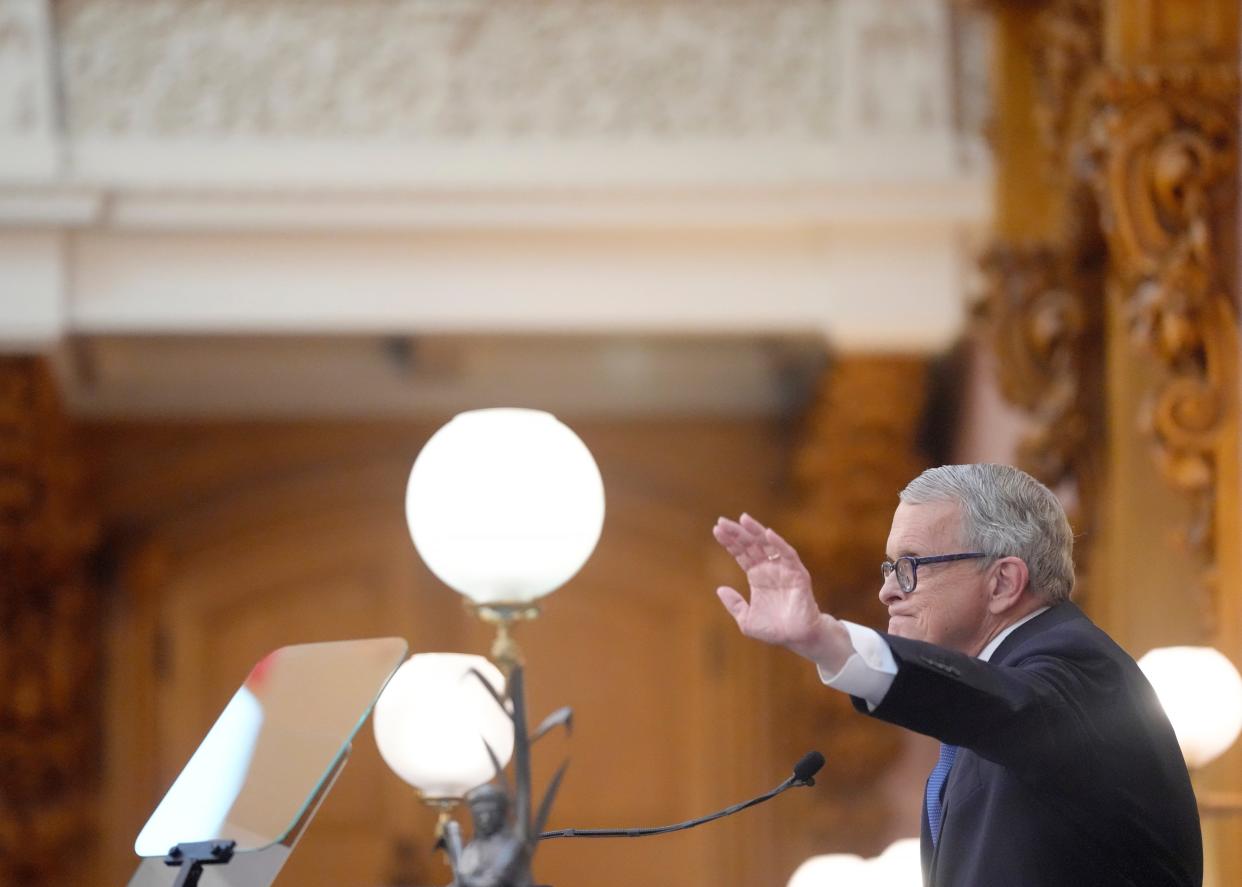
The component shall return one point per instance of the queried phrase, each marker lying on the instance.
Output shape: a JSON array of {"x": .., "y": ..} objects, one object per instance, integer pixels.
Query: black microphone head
[{"x": 808, "y": 766}]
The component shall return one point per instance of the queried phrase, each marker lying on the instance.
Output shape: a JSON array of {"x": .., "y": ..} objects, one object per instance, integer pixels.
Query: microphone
[
  {"x": 803, "y": 774},
  {"x": 806, "y": 768}
]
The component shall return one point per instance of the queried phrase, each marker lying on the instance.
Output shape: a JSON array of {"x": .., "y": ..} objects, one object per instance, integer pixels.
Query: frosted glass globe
[
  {"x": 900, "y": 865},
  {"x": 432, "y": 718},
  {"x": 505, "y": 505},
  {"x": 832, "y": 870},
  {"x": 1201, "y": 693}
]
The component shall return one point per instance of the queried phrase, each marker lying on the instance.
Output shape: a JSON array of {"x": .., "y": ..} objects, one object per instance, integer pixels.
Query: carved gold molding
[
  {"x": 1066, "y": 51},
  {"x": 1037, "y": 321},
  {"x": 1041, "y": 309},
  {"x": 856, "y": 448},
  {"x": 1164, "y": 166}
]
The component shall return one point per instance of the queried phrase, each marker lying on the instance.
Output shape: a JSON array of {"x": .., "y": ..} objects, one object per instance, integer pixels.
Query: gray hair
[{"x": 1006, "y": 513}]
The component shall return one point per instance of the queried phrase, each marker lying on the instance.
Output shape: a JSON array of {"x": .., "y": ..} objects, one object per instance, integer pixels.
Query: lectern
[{"x": 234, "y": 815}]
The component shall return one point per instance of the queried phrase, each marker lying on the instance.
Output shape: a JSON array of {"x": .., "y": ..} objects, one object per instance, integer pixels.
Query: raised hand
[{"x": 782, "y": 609}]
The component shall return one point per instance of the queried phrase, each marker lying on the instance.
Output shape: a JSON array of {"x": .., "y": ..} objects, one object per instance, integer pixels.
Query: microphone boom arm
[{"x": 804, "y": 774}]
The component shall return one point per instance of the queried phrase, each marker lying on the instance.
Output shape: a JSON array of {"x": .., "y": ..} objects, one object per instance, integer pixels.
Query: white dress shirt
[{"x": 870, "y": 670}]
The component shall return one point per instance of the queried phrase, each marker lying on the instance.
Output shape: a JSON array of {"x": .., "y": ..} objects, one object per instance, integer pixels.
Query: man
[{"x": 1058, "y": 766}]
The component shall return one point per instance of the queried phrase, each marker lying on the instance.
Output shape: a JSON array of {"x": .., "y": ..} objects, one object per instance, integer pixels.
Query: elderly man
[{"x": 1057, "y": 764}]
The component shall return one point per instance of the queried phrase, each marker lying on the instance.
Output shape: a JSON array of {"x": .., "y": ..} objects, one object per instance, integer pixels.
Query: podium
[{"x": 237, "y": 810}]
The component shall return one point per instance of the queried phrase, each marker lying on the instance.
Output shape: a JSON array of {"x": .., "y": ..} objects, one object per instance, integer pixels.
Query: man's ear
[{"x": 1010, "y": 579}]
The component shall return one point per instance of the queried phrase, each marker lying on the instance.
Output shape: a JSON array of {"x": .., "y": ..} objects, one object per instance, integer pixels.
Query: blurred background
[{"x": 764, "y": 255}]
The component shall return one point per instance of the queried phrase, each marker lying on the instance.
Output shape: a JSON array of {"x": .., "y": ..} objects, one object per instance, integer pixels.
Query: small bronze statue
[
  {"x": 495, "y": 857},
  {"x": 506, "y": 831}
]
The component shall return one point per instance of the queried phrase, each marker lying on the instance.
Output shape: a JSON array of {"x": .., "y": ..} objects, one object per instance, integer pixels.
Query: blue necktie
[{"x": 935, "y": 788}]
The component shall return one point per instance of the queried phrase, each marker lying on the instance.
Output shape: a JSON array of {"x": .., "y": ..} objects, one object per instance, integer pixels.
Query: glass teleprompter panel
[{"x": 269, "y": 759}]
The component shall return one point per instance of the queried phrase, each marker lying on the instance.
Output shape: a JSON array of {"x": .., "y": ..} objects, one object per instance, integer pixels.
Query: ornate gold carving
[
  {"x": 49, "y": 639},
  {"x": 857, "y": 449},
  {"x": 1037, "y": 324},
  {"x": 1165, "y": 167},
  {"x": 1041, "y": 309},
  {"x": 1066, "y": 50}
]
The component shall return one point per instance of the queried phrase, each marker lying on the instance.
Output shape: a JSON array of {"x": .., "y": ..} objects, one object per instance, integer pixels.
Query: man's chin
[{"x": 903, "y": 627}]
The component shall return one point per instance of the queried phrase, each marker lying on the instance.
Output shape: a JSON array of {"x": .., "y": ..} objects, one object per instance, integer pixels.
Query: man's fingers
[
  {"x": 778, "y": 545},
  {"x": 751, "y": 525},
  {"x": 745, "y": 547},
  {"x": 729, "y": 531},
  {"x": 748, "y": 545},
  {"x": 745, "y": 527},
  {"x": 758, "y": 547},
  {"x": 735, "y": 531},
  {"x": 725, "y": 531},
  {"x": 751, "y": 543},
  {"x": 733, "y": 601},
  {"x": 730, "y": 539}
]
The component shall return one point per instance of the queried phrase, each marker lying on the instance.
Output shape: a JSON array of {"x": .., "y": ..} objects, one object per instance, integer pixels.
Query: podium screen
[{"x": 281, "y": 736}]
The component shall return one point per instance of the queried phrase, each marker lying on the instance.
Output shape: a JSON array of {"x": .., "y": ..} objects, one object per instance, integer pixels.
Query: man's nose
[{"x": 890, "y": 591}]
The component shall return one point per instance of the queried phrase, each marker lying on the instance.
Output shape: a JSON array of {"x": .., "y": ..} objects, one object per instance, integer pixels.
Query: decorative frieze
[
  {"x": 451, "y": 69},
  {"x": 25, "y": 69}
]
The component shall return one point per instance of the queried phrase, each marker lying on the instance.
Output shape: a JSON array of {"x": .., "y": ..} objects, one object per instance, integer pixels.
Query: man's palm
[{"x": 782, "y": 609}]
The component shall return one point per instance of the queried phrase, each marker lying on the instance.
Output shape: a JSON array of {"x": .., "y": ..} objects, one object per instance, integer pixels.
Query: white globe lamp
[
  {"x": 900, "y": 865},
  {"x": 431, "y": 723},
  {"x": 833, "y": 870},
  {"x": 1201, "y": 692},
  {"x": 505, "y": 506}
]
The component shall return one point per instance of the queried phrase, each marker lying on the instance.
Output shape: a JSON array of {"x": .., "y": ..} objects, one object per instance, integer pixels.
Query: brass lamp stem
[
  {"x": 505, "y": 651},
  {"x": 445, "y": 806}
]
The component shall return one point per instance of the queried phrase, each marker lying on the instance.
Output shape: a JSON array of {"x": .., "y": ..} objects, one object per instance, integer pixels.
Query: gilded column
[
  {"x": 858, "y": 445},
  {"x": 49, "y": 640}
]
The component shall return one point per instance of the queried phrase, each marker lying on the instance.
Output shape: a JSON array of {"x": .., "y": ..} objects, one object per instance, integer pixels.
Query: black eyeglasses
[{"x": 907, "y": 567}]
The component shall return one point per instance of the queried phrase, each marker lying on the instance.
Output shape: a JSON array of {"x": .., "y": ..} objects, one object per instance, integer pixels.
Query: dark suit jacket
[{"x": 1069, "y": 773}]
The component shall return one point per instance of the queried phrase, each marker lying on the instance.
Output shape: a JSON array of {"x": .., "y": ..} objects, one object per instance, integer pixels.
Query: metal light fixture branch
[{"x": 508, "y": 861}]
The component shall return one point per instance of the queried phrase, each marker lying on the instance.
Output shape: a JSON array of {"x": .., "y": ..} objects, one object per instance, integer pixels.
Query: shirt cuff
[{"x": 869, "y": 671}]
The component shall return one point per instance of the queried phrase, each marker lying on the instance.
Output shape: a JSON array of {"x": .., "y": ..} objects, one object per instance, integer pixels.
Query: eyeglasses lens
[{"x": 905, "y": 574}]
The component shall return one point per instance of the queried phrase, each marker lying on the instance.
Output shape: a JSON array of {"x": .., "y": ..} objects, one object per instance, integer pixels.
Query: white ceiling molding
[
  {"x": 931, "y": 203},
  {"x": 454, "y": 167},
  {"x": 32, "y": 290},
  {"x": 876, "y": 288},
  {"x": 390, "y": 376}
]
